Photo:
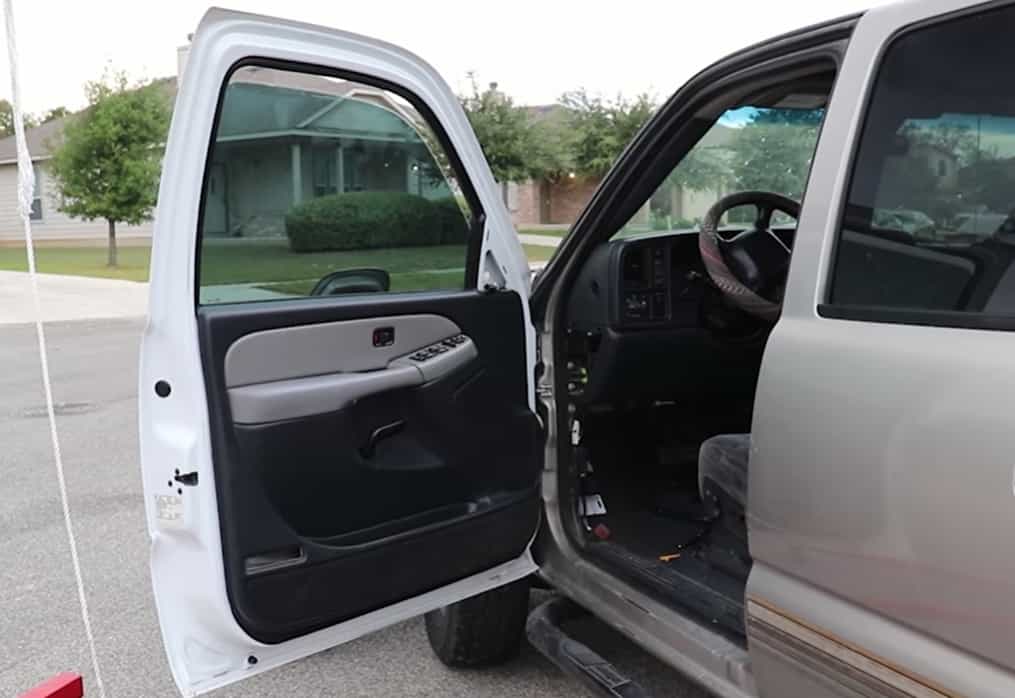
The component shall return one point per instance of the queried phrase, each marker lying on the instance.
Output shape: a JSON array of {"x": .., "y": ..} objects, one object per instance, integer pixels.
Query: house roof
[
  {"x": 313, "y": 97},
  {"x": 44, "y": 137},
  {"x": 39, "y": 140}
]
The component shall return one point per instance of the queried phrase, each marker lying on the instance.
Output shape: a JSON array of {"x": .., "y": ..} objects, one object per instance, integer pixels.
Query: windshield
[{"x": 748, "y": 148}]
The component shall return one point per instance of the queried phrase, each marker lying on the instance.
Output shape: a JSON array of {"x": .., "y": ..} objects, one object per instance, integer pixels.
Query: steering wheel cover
[{"x": 711, "y": 254}]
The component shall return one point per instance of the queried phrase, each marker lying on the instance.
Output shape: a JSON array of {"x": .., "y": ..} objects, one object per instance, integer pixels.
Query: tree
[
  {"x": 503, "y": 130},
  {"x": 550, "y": 156},
  {"x": 702, "y": 169},
  {"x": 109, "y": 162},
  {"x": 773, "y": 152},
  {"x": 55, "y": 113},
  {"x": 600, "y": 129},
  {"x": 7, "y": 119}
]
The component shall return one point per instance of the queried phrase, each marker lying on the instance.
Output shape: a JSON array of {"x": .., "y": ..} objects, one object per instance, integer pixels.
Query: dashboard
[
  {"x": 646, "y": 282},
  {"x": 645, "y": 323}
]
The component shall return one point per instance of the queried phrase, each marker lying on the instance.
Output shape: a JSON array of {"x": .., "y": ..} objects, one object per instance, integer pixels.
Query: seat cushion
[{"x": 722, "y": 464}]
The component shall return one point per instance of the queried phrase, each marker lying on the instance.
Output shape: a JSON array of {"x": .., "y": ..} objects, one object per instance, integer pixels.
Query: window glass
[
  {"x": 36, "y": 212},
  {"x": 322, "y": 186},
  {"x": 929, "y": 222},
  {"x": 748, "y": 148}
]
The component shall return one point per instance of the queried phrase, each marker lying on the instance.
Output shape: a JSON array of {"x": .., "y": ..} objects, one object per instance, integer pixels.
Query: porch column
[
  {"x": 339, "y": 168},
  {"x": 297, "y": 172}
]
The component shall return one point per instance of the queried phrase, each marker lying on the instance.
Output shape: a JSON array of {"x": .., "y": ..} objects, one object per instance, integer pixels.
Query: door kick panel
[
  {"x": 314, "y": 394},
  {"x": 330, "y": 347}
]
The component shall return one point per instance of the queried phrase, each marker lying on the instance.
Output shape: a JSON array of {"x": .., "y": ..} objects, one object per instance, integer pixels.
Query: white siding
[{"x": 54, "y": 225}]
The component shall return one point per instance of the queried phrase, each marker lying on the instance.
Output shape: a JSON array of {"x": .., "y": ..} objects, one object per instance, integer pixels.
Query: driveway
[{"x": 69, "y": 298}]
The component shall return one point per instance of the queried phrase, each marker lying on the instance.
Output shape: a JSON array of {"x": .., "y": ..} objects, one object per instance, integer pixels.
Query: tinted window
[
  {"x": 322, "y": 186},
  {"x": 930, "y": 219},
  {"x": 748, "y": 148}
]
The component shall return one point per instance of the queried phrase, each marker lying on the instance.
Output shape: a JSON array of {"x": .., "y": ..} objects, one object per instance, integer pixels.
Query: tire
[{"x": 480, "y": 631}]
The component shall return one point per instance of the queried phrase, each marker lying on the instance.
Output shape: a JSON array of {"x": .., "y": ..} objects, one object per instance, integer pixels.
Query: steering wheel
[{"x": 749, "y": 268}]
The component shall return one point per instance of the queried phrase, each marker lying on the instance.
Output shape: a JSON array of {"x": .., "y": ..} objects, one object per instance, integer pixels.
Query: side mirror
[{"x": 352, "y": 281}]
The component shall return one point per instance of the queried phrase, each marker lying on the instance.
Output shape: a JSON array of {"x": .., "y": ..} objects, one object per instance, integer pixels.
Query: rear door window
[{"x": 929, "y": 224}]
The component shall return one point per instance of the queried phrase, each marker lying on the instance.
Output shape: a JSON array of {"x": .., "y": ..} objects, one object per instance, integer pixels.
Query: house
[
  {"x": 542, "y": 202},
  {"x": 545, "y": 201},
  {"x": 48, "y": 223},
  {"x": 323, "y": 136}
]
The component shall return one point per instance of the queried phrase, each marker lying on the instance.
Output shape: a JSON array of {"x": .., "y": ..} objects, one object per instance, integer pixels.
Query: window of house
[
  {"x": 317, "y": 185},
  {"x": 36, "y": 213},
  {"x": 929, "y": 224}
]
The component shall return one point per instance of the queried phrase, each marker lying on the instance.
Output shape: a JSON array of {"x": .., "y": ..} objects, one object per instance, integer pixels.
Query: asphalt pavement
[{"x": 94, "y": 371}]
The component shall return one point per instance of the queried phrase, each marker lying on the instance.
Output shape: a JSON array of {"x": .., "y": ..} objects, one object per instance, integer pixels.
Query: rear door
[
  {"x": 881, "y": 503},
  {"x": 337, "y": 426}
]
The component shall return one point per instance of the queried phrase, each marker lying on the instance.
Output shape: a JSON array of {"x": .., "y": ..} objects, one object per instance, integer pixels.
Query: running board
[{"x": 545, "y": 633}]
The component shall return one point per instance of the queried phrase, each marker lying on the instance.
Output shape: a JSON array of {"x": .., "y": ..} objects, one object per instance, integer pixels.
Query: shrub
[
  {"x": 454, "y": 227},
  {"x": 363, "y": 220}
]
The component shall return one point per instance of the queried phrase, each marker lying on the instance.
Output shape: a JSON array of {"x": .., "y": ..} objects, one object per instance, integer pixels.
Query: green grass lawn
[
  {"x": 538, "y": 253},
  {"x": 266, "y": 261},
  {"x": 80, "y": 261},
  {"x": 550, "y": 232}
]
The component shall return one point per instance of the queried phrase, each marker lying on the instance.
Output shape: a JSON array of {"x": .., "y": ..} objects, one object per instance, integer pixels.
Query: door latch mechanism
[{"x": 186, "y": 479}]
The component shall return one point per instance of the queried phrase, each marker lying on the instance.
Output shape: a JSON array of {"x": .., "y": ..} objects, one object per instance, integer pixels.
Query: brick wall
[
  {"x": 568, "y": 197},
  {"x": 523, "y": 199},
  {"x": 534, "y": 202}
]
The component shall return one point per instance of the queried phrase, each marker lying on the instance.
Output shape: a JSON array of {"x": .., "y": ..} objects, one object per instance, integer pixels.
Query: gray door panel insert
[
  {"x": 308, "y": 395},
  {"x": 330, "y": 347}
]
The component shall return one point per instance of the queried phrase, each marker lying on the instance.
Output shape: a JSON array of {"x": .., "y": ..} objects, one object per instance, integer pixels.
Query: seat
[{"x": 722, "y": 469}]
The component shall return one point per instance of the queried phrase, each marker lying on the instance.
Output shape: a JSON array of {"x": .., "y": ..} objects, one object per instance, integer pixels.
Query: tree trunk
[{"x": 111, "y": 257}]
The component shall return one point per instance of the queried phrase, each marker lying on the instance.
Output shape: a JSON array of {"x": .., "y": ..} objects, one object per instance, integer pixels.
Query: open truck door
[{"x": 318, "y": 465}]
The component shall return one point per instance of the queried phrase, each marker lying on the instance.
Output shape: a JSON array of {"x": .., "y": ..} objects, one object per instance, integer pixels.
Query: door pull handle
[{"x": 388, "y": 430}]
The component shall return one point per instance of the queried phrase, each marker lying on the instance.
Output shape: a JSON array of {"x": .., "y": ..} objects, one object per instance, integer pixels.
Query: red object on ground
[
  {"x": 65, "y": 685},
  {"x": 601, "y": 532}
]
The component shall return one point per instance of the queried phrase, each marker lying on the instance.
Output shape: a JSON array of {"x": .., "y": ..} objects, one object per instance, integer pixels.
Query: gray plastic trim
[
  {"x": 302, "y": 397},
  {"x": 309, "y": 395},
  {"x": 331, "y": 347}
]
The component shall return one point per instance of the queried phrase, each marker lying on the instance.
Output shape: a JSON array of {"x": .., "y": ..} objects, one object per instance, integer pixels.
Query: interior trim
[
  {"x": 329, "y": 347},
  {"x": 303, "y": 397},
  {"x": 767, "y": 615},
  {"x": 469, "y": 438},
  {"x": 317, "y": 394}
]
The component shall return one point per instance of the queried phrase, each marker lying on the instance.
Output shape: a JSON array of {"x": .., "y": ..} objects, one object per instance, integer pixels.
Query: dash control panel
[
  {"x": 645, "y": 279},
  {"x": 438, "y": 348}
]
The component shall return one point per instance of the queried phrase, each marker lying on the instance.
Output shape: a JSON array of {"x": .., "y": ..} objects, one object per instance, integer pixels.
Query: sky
[{"x": 534, "y": 49}]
